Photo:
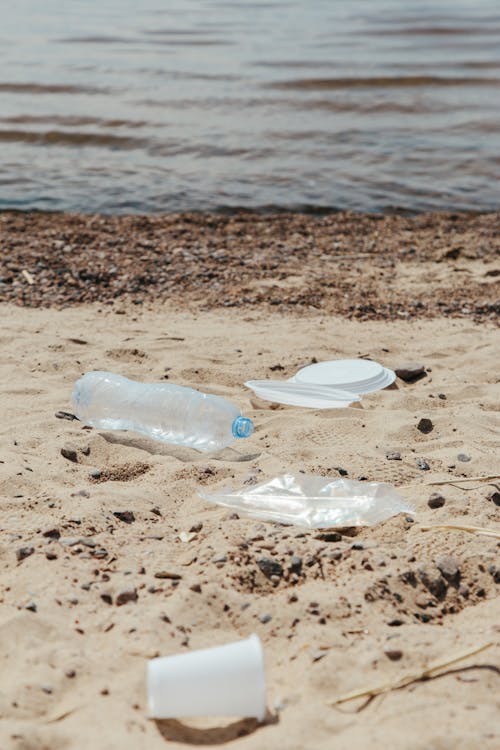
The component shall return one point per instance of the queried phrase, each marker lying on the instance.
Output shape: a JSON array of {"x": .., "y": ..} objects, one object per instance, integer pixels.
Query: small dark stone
[
  {"x": 433, "y": 581},
  {"x": 425, "y": 425},
  {"x": 23, "y": 552},
  {"x": 70, "y": 452},
  {"x": 436, "y": 500},
  {"x": 393, "y": 456},
  {"x": 270, "y": 567},
  {"x": 394, "y": 654},
  {"x": 266, "y": 617},
  {"x": 342, "y": 472},
  {"x": 329, "y": 536},
  {"x": 70, "y": 673},
  {"x": 51, "y": 556},
  {"x": 196, "y": 588},
  {"x": 357, "y": 546},
  {"x": 31, "y": 606},
  {"x": 442, "y": 396},
  {"x": 127, "y": 595},
  {"x": 296, "y": 564},
  {"x": 196, "y": 528},
  {"x": 95, "y": 474},
  {"x": 107, "y": 597},
  {"x": 495, "y": 573},
  {"x": 410, "y": 372},
  {"x": 449, "y": 568},
  {"x": 464, "y": 591},
  {"x": 65, "y": 415},
  {"x": 395, "y": 623},
  {"x": 52, "y": 533},
  {"x": 126, "y": 516},
  {"x": 422, "y": 464},
  {"x": 463, "y": 457},
  {"x": 495, "y": 497}
]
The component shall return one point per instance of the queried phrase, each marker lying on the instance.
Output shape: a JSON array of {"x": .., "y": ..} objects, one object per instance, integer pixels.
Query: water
[{"x": 120, "y": 106}]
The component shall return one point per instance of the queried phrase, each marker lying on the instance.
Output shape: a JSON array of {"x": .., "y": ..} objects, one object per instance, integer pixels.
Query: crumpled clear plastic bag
[{"x": 314, "y": 502}]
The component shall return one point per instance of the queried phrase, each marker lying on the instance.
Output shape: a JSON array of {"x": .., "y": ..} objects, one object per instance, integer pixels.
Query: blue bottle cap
[{"x": 242, "y": 427}]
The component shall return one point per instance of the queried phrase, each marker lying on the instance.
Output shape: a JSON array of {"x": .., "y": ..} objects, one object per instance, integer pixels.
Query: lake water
[{"x": 121, "y": 106}]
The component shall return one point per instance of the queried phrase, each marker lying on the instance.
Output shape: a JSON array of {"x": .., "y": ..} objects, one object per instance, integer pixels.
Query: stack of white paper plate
[{"x": 352, "y": 375}]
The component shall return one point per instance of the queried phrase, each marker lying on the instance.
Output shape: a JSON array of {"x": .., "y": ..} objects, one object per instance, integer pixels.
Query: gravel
[{"x": 228, "y": 260}]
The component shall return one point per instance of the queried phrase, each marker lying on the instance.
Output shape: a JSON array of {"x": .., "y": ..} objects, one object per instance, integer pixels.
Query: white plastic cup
[{"x": 222, "y": 681}]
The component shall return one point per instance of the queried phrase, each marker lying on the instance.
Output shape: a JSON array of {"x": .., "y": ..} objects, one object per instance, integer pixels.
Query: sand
[{"x": 366, "y": 607}]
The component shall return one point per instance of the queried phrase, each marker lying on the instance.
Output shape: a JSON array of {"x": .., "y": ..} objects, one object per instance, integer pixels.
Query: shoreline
[{"x": 359, "y": 266}]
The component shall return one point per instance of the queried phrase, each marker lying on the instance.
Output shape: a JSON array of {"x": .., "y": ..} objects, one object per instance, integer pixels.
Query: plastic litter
[
  {"x": 315, "y": 502},
  {"x": 162, "y": 411},
  {"x": 302, "y": 394},
  {"x": 226, "y": 680},
  {"x": 354, "y": 375}
]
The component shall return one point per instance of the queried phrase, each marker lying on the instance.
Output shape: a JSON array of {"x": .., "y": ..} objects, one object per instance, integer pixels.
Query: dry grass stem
[{"x": 408, "y": 679}]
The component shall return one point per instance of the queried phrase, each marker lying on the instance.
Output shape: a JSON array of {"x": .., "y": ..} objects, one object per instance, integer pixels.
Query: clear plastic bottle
[{"x": 163, "y": 411}]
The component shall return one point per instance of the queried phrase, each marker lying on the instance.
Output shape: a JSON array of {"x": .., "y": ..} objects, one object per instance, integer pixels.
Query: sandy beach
[{"x": 87, "y": 533}]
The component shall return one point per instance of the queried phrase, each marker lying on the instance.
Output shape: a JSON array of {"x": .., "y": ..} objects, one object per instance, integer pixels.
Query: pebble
[
  {"x": 69, "y": 541},
  {"x": 463, "y": 590},
  {"x": 23, "y": 552},
  {"x": 495, "y": 573},
  {"x": 70, "y": 452},
  {"x": 394, "y": 456},
  {"x": 70, "y": 673},
  {"x": 168, "y": 574},
  {"x": 31, "y": 606},
  {"x": 295, "y": 564},
  {"x": 436, "y": 500},
  {"x": 219, "y": 559},
  {"x": 433, "y": 581},
  {"x": 494, "y": 497},
  {"x": 422, "y": 464},
  {"x": 329, "y": 536},
  {"x": 463, "y": 457},
  {"x": 410, "y": 371},
  {"x": 425, "y": 426},
  {"x": 95, "y": 474},
  {"x": 107, "y": 597},
  {"x": 449, "y": 568},
  {"x": 65, "y": 415},
  {"x": 196, "y": 528},
  {"x": 52, "y": 533},
  {"x": 266, "y": 617},
  {"x": 127, "y": 595},
  {"x": 270, "y": 567},
  {"x": 394, "y": 654},
  {"x": 196, "y": 588},
  {"x": 126, "y": 516}
]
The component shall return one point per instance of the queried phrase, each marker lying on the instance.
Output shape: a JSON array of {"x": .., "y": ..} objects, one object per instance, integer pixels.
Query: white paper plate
[
  {"x": 354, "y": 375},
  {"x": 302, "y": 394}
]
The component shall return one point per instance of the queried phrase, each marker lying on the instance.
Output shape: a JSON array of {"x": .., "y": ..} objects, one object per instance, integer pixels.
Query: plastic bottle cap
[{"x": 242, "y": 427}]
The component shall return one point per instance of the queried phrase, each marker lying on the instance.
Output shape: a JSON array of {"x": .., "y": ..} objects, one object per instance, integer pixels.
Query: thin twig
[
  {"x": 408, "y": 679},
  {"x": 458, "y": 527},
  {"x": 465, "y": 479}
]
